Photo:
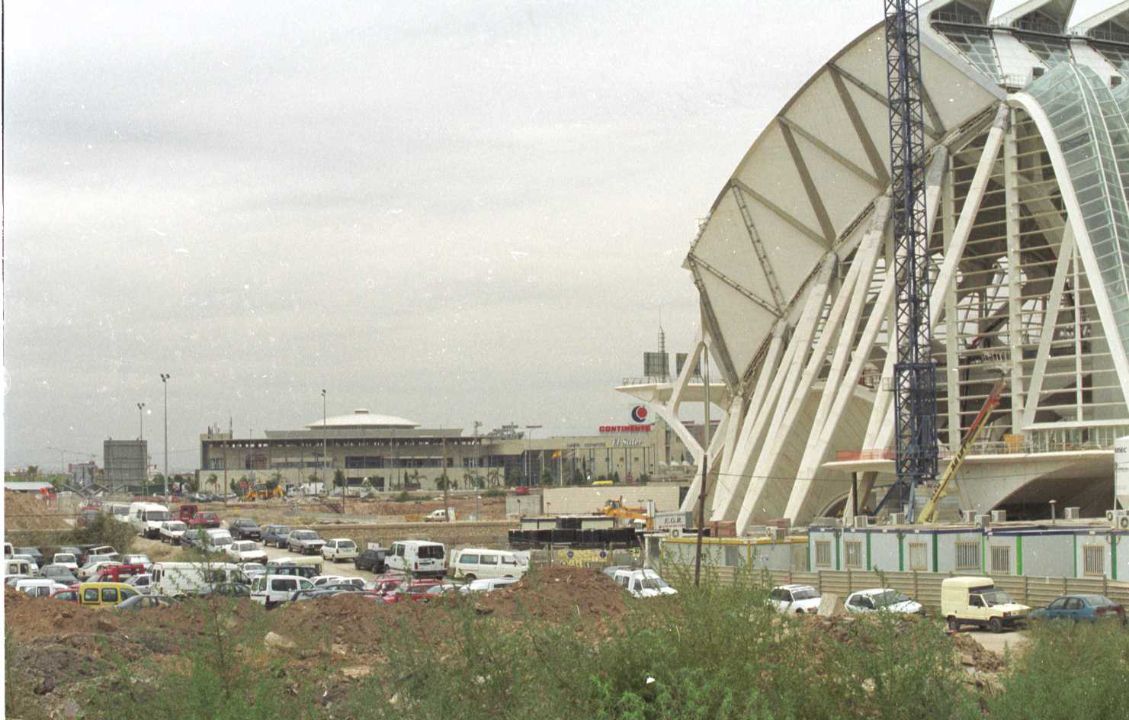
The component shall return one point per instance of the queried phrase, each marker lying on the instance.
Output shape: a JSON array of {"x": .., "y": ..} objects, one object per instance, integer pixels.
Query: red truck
[{"x": 191, "y": 516}]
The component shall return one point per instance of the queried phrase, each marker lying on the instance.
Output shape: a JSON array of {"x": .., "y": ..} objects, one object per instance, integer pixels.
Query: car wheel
[
  {"x": 996, "y": 625},
  {"x": 469, "y": 578},
  {"x": 954, "y": 624}
]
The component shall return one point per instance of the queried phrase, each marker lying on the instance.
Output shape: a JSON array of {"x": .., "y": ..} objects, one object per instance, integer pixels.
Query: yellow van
[{"x": 104, "y": 594}]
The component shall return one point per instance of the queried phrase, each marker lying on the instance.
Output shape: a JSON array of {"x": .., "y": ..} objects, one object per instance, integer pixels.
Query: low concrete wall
[
  {"x": 457, "y": 534},
  {"x": 523, "y": 505}
]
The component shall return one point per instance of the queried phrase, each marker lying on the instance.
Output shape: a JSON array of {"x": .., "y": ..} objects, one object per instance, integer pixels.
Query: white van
[
  {"x": 187, "y": 578},
  {"x": 15, "y": 566},
  {"x": 146, "y": 518},
  {"x": 39, "y": 587},
  {"x": 418, "y": 557},
  {"x": 270, "y": 590},
  {"x": 118, "y": 511},
  {"x": 473, "y": 563},
  {"x": 215, "y": 540}
]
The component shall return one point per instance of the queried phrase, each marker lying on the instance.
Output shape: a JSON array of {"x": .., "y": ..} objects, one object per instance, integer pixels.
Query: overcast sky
[{"x": 447, "y": 211}]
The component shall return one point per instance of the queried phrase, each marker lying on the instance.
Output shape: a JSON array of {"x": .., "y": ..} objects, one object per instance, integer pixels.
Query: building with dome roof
[
  {"x": 389, "y": 453},
  {"x": 1026, "y": 117}
]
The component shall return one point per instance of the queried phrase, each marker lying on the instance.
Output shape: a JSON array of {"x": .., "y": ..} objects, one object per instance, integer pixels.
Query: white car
[
  {"x": 67, "y": 560},
  {"x": 39, "y": 587},
  {"x": 143, "y": 583},
  {"x": 643, "y": 583},
  {"x": 253, "y": 569},
  {"x": 325, "y": 580},
  {"x": 245, "y": 551},
  {"x": 795, "y": 599},
  {"x": 172, "y": 531},
  {"x": 486, "y": 585},
  {"x": 882, "y": 600},
  {"x": 339, "y": 549}
]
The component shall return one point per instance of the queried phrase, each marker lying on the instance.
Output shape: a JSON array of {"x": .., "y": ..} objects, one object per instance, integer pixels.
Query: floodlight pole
[
  {"x": 705, "y": 469},
  {"x": 324, "y": 438},
  {"x": 165, "y": 382}
]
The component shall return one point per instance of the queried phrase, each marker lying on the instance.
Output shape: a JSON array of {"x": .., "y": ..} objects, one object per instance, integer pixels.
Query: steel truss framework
[{"x": 1028, "y": 224}]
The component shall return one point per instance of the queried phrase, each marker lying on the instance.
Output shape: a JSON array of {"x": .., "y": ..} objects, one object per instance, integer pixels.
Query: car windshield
[
  {"x": 431, "y": 552},
  {"x": 241, "y": 546},
  {"x": 280, "y": 529},
  {"x": 176, "y": 525},
  {"x": 222, "y": 540},
  {"x": 805, "y": 594},
  {"x": 305, "y": 534},
  {"x": 996, "y": 597},
  {"x": 889, "y": 597},
  {"x": 650, "y": 583},
  {"x": 346, "y": 544},
  {"x": 64, "y": 558},
  {"x": 156, "y": 515}
]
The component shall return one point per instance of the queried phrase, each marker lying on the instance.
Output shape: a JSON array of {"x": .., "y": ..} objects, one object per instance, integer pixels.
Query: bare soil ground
[{"x": 24, "y": 511}]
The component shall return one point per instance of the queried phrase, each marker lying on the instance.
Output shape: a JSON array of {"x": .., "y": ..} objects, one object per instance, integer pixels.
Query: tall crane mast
[{"x": 915, "y": 373}]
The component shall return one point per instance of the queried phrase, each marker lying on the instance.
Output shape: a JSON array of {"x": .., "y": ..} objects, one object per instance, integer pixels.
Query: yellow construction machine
[{"x": 626, "y": 515}]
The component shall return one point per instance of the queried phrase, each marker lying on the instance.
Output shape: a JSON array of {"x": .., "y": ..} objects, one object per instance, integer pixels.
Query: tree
[
  {"x": 274, "y": 481},
  {"x": 339, "y": 478},
  {"x": 493, "y": 478},
  {"x": 443, "y": 482},
  {"x": 577, "y": 477},
  {"x": 546, "y": 477},
  {"x": 212, "y": 481}
]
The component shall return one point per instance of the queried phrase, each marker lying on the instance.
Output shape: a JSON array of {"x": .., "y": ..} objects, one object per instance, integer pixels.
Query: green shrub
[
  {"x": 1068, "y": 671},
  {"x": 494, "y": 492},
  {"x": 105, "y": 530}
]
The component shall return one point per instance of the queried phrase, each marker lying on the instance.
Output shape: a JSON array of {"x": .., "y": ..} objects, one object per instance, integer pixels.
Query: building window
[
  {"x": 968, "y": 555},
  {"x": 853, "y": 550},
  {"x": 918, "y": 556},
  {"x": 823, "y": 553},
  {"x": 1093, "y": 560},
  {"x": 732, "y": 556},
  {"x": 1001, "y": 559}
]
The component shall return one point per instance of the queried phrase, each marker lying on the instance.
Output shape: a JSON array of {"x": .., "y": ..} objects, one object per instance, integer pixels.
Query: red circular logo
[{"x": 639, "y": 414}]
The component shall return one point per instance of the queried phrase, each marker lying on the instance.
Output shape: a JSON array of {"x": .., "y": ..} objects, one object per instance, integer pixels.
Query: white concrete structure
[{"x": 1026, "y": 191}]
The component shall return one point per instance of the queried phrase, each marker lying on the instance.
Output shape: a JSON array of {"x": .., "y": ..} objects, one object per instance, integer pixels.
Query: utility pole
[
  {"x": 165, "y": 382},
  {"x": 477, "y": 454},
  {"x": 705, "y": 469}
]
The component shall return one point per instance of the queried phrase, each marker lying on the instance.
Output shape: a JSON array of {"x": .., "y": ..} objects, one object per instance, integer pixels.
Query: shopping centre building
[{"x": 388, "y": 453}]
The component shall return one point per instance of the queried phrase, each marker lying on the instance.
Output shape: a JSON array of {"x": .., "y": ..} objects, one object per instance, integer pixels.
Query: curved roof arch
[{"x": 802, "y": 189}]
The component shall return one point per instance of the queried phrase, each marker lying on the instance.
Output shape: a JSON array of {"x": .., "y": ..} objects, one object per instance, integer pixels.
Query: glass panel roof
[{"x": 1092, "y": 132}]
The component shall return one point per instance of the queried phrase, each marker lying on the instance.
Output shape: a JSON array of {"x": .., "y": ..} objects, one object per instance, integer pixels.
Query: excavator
[
  {"x": 929, "y": 512},
  {"x": 262, "y": 492}
]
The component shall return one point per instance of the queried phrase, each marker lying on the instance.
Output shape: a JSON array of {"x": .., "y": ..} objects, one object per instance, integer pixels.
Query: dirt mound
[
  {"x": 973, "y": 654},
  {"x": 559, "y": 593},
  {"x": 24, "y": 511}
]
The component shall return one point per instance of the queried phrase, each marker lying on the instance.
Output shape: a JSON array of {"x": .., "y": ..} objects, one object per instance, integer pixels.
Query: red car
[
  {"x": 68, "y": 595},
  {"x": 417, "y": 590},
  {"x": 118, "y": 573}
]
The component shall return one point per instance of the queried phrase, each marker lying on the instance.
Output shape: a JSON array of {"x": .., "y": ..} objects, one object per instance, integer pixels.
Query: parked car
[
  {"x": 972, "y": 600},
  {"x": 33, "y": 567},
  {"x": 88, "y": 571},
  {"x": 486, "y": 585},
  {"x": 118, "y": 572},
  {"x": 143, "y": 582},
  {"x": 419, "y": 558},
  {"x": 371, "y": 560},
  {"x": 230, "y": 589},
  {"x": 104, "y": 594},
  {"x": 271, "y": 590},
  {"x": 244, "y": 529},
  {"x": 68, "y": 595},
  {"x": 141, "y": 602},
  {"x": 58, "y": 573},
  {"x": 246, "y": 551},
  {"x": 215, "y": 540},
  {"x": 795, "y": 599},
  {"x": 475, "y": 563},
  {"x": 643, "y": 583},
  {"x": 882, "y": 600},
  {"x": 192, "y": 539},
  {"x": 416, "y": 590},
  {"x": 253, "y": 569},
  {"x": 440, "y": 515},
  {"x": 1081, "y": 607},
  {"x": 33, "y": 552},
  {"x": 339, "y": 549},
  {"x": 66, "y": 559},
  {"x": 39, "y": 587},
  {"x": 172, "y": 531},
  {"x": 276, "y": 535},
  {"x": 136, "y": 559},
  {"x": 304, "y": 542}
]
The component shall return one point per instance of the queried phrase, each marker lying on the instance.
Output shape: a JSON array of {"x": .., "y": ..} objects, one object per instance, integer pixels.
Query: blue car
[{"x": 1081, "y": 607}]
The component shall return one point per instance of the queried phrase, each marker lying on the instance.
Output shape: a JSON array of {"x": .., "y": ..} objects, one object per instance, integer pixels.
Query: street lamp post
[
  {"x": 324, "y": 438},
  {"x": 141, "y": 442},
  {"x": 165, "y": 382}
]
